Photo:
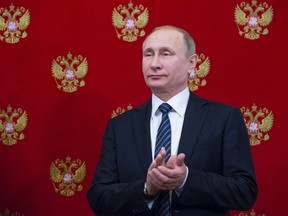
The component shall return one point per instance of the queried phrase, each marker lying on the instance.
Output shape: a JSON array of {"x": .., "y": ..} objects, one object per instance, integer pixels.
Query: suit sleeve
[
  {"x": 107, "y": 195},
  {"x": 226, "y": 180}
]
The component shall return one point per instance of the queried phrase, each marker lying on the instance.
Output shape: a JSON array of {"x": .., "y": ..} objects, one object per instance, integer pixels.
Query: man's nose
[{"x": 155, "y": 64}]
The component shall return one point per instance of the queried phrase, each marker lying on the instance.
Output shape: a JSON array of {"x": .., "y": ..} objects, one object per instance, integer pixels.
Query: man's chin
[{"x": 157, "y": 88}]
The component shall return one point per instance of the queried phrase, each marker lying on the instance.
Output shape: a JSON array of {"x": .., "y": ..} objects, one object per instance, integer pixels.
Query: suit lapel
[
  {"x": 194, "y": 118},
  {"x": 141, "y": 125}
]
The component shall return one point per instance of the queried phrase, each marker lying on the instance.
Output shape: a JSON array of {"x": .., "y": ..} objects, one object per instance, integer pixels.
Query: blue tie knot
[{"x": 165, "y": 108}]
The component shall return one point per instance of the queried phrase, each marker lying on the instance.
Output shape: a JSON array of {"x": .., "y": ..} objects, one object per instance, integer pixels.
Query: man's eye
[
  {"x": 166, "y": 53},
  {"x": 147, "y": 54}
]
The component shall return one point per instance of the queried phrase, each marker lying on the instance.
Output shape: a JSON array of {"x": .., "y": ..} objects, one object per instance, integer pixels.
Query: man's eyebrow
[
  {"x": 167, "y": 49},
  {"x": 149, "y": 49}
]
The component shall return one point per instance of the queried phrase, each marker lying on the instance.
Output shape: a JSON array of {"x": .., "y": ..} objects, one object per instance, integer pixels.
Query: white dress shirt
[{"x": 176, "y": 115}]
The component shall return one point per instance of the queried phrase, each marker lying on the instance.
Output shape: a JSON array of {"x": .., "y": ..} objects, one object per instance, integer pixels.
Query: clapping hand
[{"x": 167, "y": 176}]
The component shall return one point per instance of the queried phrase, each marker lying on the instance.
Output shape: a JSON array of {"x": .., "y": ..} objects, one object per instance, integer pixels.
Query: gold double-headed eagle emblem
[
  {"x": 130, "y": 20},
  {"x": 120, "y": 110},
  {"x": 67, "y": 175},
  {"x": 69, "y": 72},
  {"x": 13, "y": 22},
  {"x": 252, "y": 19},
  {"x": 196, "y": 76},
  {"x": 258, "y": 123},
  {"x": 12, "y": 124}
]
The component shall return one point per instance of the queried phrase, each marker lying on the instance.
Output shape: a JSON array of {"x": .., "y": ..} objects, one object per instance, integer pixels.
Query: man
[{"x": 205, "y": 166}]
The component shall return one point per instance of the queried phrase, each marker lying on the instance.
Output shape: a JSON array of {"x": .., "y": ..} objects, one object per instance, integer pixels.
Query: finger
[
  {"x": 180, "y": 160},
  {"x": 171, "y": 162},
  {"x": 163, "y": 152},
  {"x": 152, "y": 165},
  {"x": 162, "y": 183},
  {"x": 155, "y": 181},
  {"x": 159, "y": 160},
  {"x": 173, "y": 178},
  {"x": 158, "y": 178},
  {"x": 168, "y": 172},
  {"x": 151, "y": 184}
]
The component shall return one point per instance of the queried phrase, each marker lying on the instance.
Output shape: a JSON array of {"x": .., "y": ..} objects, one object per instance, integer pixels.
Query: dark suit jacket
[{"x": 215, "y": 140}]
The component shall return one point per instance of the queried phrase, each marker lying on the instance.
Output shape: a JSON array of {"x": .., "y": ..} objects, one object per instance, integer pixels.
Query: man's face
[{"x": 165, "y": 64}]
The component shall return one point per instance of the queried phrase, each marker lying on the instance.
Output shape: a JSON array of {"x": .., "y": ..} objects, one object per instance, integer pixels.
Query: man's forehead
[
  {"x": 163, "y": 38},
  {"x": 165, "y": 33}
]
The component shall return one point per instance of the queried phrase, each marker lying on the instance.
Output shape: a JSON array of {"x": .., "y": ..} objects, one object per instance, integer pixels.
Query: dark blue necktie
[{"x": 163, "y": 139}]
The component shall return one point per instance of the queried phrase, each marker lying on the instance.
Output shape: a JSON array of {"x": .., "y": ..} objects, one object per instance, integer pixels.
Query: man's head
[{"x": 168, "y": 56}]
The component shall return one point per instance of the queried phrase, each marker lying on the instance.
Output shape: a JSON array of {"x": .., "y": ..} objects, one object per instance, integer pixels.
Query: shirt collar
[{"x": 178, "y": 102}]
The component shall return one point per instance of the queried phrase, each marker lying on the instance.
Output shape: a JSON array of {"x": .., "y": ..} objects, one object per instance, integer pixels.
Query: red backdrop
[{"x": 242, "y": 72}]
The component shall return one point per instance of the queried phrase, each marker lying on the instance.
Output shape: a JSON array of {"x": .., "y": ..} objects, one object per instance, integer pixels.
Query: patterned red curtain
[{"x": 67, "y": 67}]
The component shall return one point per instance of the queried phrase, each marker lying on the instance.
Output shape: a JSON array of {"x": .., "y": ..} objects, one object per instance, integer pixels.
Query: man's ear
[{"x": 193, "y": 61}]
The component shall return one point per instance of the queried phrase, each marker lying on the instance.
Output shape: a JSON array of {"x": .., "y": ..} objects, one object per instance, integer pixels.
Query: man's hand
[
  {"x": 173, "y": 174},
  {"x": 163, "y": 176},
  {"x": 152, "y": 188}
]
